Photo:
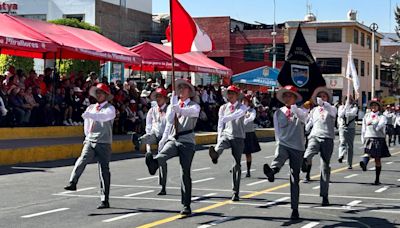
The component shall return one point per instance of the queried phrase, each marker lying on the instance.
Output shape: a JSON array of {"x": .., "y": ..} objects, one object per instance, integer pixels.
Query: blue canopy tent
[{"x": 262, "y": 76}]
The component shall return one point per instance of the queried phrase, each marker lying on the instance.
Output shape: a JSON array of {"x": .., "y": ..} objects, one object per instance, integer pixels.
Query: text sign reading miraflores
[{"x": 8, "y": 7}]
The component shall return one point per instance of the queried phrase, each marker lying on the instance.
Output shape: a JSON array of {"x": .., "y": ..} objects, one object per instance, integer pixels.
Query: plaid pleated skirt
[{"x": 377, "y": 148}]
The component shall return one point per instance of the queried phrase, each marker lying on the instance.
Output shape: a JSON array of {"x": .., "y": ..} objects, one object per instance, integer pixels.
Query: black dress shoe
[
  {"x": 104, "y": 205},
  {"x": 235, "y": 197},
  {"x": 70, "y": 187},
  {"x": 376, "y": 183},
  {"x": 213, "y": 155},
  {"x": 248, "y": 174},
  {"x": 295, "y": 215},
  {"x": 363, "y": 166},
  {"x": 186, "y": 210},
  {"x": 151, "y": 163},
  {"x": 340, "y": 160},
  {"x": 304, "y": 166},
  {"x": 325, "y": 201},
  {"x": 269, "y": 173},
  {"x": 163, "y": 192}
]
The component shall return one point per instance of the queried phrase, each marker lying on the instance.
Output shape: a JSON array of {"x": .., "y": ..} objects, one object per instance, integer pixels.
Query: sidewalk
[{"x": 39, "y": 147}]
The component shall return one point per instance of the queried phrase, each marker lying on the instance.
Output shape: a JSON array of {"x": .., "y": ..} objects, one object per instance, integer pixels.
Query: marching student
[
  {"x": 289, "y": 134},
  {"x": 390, "y": 118},
  {"x": 322, "y": 120},
  {"x": 231, "y": 134},
  {"x": 251, "y": 144},
  {"x": 155, "y": 126},
  {"x": 347, "y": 114},
  {"x": 307, "y": 106},
  {"x": 98, "y": 125},
  {"x": 397, "y": 126},
  {"x": 373, "y": 138},
  {"x": 178, "y": 139}
]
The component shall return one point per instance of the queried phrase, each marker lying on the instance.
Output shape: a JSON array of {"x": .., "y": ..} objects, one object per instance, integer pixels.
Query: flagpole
[{"x": 172, "y": 44}]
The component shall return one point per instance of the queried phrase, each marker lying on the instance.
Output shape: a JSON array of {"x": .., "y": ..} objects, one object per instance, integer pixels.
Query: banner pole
[{"x": 172, "y": 44}]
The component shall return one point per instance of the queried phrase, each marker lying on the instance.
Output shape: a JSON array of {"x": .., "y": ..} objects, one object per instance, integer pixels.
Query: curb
[{"x": 67, "y": 151}]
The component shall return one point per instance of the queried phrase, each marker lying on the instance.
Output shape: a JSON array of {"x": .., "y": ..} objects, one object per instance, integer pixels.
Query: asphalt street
[{"x": 32, "y": 195}]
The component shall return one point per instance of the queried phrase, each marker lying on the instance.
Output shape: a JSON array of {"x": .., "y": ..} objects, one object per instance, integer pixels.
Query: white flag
[{"x": 351, "y": 73}]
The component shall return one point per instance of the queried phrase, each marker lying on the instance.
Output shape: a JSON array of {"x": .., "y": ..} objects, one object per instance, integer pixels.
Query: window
[
  {"x": 377, "y": 45},
  {"x": 329, "y": 35},
  {"x": 376, "y": 72},
  {"x": 355, "y": 36},
  {"x": 41, "y": 17},
  {"x": 254, "y": 53},
  {"x": 79, "y": 17},
  {"x": 356, "y": 64},
  {"x": 362, "y": 68},
  {"x": 330, "y": 65},
  {"x": 280, "y": 53},
  {"x": 362, "y": 39},
  {"x": 368, "y": 69},
  {"x": 369, "y": 42}
]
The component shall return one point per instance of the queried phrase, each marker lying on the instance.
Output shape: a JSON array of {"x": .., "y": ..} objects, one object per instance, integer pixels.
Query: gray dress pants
[
  {"x": 346, "y": 143},
  {"x": 152, "y": 139},
  {"x": 237, "y": 147},
  {"x": 185, "y": 152},
  {"x": 102, "y": 152}
]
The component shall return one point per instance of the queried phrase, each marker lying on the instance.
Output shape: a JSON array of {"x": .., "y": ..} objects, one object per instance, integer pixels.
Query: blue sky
[{"x": 369, "y": 11}]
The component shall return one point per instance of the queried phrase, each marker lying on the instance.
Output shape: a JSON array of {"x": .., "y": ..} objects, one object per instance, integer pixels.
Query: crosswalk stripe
[
  {"x": 257, "y": 182},
  {"x": 354, "y": 203},
  {"x": 147, "y": 178},
  {"x": 316, "y": 187},
  {"x": 139, "y": 193},
  {"x": 78, "y": 190},
  {"x": 45, "y": 213},
  {"x": 206, "y": 195},
  {"x": 251, "y": 170},
  {"x": 201, "y": 169},
  {"x": 121, "y": 217},
  {"x": 350, "y": 176},
  {"x": 277, "y": 201},
  {"x": 203, "y": 180},
  {"x": 389, "y": 163},
  {"x": 310, "y": 225},
  {"x": 382, "y": 189}
]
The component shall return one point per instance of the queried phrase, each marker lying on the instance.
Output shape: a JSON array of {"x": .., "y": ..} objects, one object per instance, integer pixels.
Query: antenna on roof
[{"x": 309, "y": 7}]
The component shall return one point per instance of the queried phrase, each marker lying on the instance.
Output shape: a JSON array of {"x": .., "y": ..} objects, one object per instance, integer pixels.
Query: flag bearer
[
  {"x": 178, "y": 139},
  {"x": 347, "y": 114},
  {"x": 373, "y": 138},
  {"x": 98, "y": 127},
  {"x": 390, "y": 118},
  {"x": 231, "y": 134},
  {"x": 289, "y": 134},
  {"x": 155, "y": 126},
  {"x": 322, "y": 120}
]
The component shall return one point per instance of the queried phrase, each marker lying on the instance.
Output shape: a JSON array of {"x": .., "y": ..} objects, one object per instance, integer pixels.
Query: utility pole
[
  {"x": 374, "y": 28},
  {"x": 274, "y": 40}
]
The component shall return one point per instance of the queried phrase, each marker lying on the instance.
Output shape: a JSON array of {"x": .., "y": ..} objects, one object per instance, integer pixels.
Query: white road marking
[
  {"x": 139, "y": 193},
  {"x": 310, "y": 225},
  {"x": 372, "y": 169},
  {"x": 29, "y": 168},
  {"x": 242, "y": 162},
  {"x": 78, "y": 190},
  {"x": 201, "y": 169},
  {"x": 251, "y": 170},
  {"x": 382, "y": 189},
  {"x": 203, "y": 180},
  {"x": 389, "y": 163},
  {"x": 350, "y": 176},
  {"x": 398, "y": 179},
  {"x": 277, "y": 201},
  {"x": 45, "y": 212},
  {"x": 316, "y": 187},
  {"x": 387, "y": 211},
  {"x": 121, "y": 217},
  {"x": 257, "y": 182},
  {"x": 199, "y": 189},
  {"x": 206, "y": 195},
  {"x": 353, "y": 203},
  {"x": 216, "y": 222},
  {"x": 270, "y": 156},
  {"x": 147, "y": 178}
]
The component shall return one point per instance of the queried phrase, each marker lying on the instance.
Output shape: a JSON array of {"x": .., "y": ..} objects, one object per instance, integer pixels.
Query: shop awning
[
  {"x": 74, "y": 43},
  {"x": 16, "y": 39},
  {"x": 262, "y": 76},
  {"x": 157, "y": 57}
]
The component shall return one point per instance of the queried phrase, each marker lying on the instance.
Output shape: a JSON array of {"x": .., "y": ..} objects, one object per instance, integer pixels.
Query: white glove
[
  {"x": 4, "y": 112},
  {"x": 320, "y": 102},
  {"x": 176, "y": 108},
  {"x": 85, "y": 115},
  {"x": 293, "y": 108},
  {"x": 174, "y": 99},
  {"x": 161, "y": 145},
  {"x": 362, "y": 140}
]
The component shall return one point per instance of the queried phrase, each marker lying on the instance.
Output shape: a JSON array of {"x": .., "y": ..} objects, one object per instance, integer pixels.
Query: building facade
[
  {"x": 125, "y": 21},
  {"x": 330, "y": 41}
]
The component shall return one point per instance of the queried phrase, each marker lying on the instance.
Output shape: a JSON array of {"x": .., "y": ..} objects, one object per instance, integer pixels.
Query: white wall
[{"x": 140, "y": 5}]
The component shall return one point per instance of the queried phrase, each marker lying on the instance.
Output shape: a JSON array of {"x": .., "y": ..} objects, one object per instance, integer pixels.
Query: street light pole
[
  {"x": 274, "y": 41},
  {"x": 374, "y": 28}
]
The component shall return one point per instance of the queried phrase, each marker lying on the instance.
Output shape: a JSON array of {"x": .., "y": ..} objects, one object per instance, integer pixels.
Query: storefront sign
[
  {"x": 335, "y": 82},
  {"x": 8, "y": 7}
]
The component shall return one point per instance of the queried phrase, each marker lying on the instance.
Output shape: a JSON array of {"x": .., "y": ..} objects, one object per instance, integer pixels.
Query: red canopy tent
[
  {"x": 74, "y": 43},
  {"x": 16, "y": 39},
  {"x": 157, "y": 57}
]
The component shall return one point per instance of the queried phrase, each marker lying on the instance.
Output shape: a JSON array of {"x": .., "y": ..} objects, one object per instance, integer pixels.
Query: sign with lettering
[{"x": 8, "y": 7}]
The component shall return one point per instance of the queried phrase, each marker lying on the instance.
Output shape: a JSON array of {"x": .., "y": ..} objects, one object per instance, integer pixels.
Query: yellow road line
[{"x": 223, "y": 203}]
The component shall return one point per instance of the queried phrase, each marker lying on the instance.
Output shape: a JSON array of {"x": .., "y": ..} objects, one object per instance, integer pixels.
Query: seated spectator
[
  {"x": 29, "y": 99},
  {"x": 20, "y": 108}
]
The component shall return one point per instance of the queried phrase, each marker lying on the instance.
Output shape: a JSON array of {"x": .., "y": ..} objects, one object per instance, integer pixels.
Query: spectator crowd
[{"x": 30, "y": 100}]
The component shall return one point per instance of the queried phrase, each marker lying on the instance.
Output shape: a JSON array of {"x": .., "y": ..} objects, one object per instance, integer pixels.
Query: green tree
[
  {"x": 25, "y": 64},
  {"x": 68, "y": 66}
]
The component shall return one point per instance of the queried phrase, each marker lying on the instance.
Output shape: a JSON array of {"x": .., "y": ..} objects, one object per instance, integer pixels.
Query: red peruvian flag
[{"x": 187, "y": 35}]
